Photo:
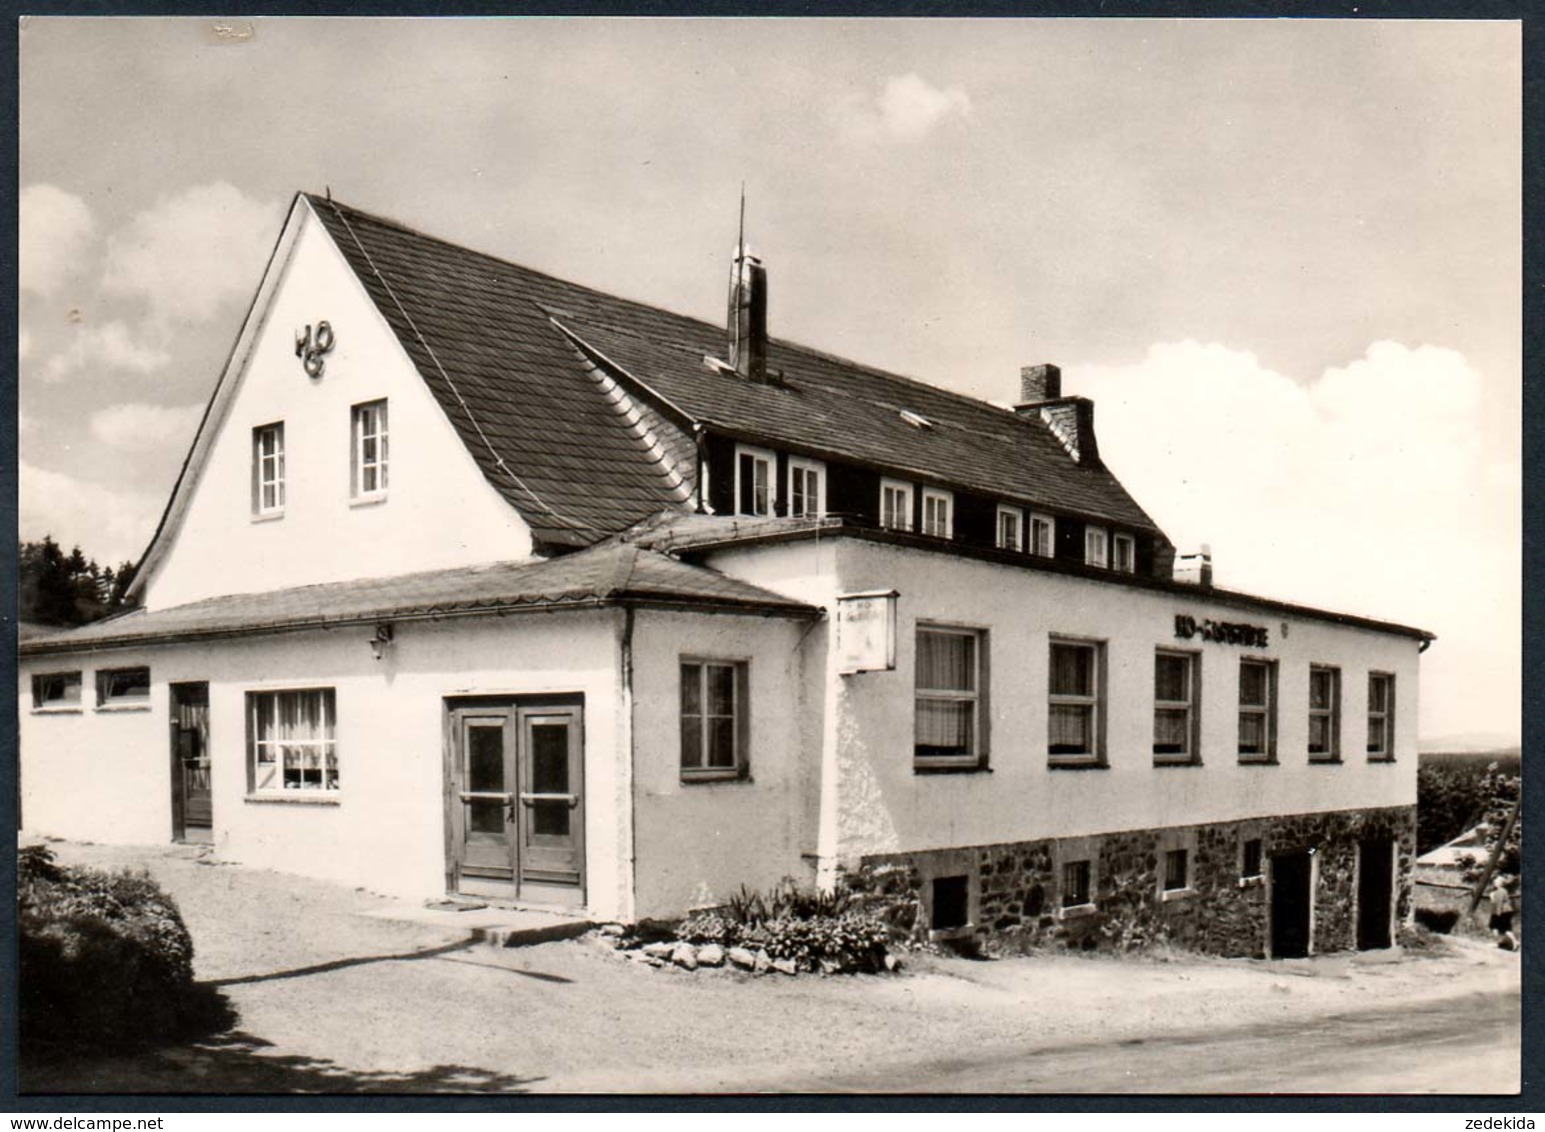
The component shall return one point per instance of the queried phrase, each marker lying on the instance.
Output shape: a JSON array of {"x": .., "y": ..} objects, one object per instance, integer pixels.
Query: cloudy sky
[{"x": 1283, "y": 256}]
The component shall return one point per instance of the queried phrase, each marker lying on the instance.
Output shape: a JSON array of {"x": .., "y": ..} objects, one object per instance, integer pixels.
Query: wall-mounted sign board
[
  {"x": 866, "y": 632},
  {"x": 1225, "y": 632}
]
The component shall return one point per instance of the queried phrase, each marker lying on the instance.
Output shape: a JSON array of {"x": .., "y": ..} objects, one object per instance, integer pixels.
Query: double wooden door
[{"x": 515, "y": 807}]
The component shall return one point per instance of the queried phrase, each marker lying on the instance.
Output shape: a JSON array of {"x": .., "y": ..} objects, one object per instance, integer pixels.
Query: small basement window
[
  {"x": 55, "y": 690},
  {"x": 123, "y": 687},
  {"x": 1177, "y": 870},
  {"x": 1250, "y": 860},
  {"x": 951, "y": 898},
  {"x": 1075, "y": 884}
]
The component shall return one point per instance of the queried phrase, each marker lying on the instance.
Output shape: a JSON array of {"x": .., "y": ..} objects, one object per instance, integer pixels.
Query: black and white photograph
[{"x": 769, "y": 556}]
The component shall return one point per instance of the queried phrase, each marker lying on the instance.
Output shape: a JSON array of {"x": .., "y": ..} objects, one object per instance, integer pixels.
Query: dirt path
[{"x": 330, "y": 1000}]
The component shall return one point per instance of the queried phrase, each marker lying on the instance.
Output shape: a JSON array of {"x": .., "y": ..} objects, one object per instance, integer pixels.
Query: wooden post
[{"x": 1491, "y": 860}]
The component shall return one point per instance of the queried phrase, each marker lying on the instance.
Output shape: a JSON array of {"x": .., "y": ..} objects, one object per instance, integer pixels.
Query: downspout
[
  {"x": 625, "y": 648},
  {"x": 700, "y": 442}
]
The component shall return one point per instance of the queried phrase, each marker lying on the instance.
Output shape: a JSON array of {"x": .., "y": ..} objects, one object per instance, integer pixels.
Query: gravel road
[{"x": 330, "y": 1000}]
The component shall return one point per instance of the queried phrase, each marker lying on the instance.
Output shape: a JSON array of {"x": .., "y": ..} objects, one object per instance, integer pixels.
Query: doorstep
[{"x": 497, "y": 927}]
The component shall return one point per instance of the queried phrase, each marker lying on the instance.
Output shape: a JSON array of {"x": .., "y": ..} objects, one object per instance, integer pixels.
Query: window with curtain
[
  {"x": 949, "y": 698},
  {"x": 1043, "y": 532},
  {"x": 1074, "y": 703},
  {"x": 1174, "y": 707},
  {"x": 1381, "y": 717},
  {"x": 756, "y": 491},
  {"x": 1257, "y": 711},
  {"x": 1324, "y": 714},
  {"x": 293, "y": 741}
]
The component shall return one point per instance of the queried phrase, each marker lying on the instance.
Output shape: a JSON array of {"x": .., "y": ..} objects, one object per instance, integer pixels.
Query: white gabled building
[{"x": 479, "y": 581}]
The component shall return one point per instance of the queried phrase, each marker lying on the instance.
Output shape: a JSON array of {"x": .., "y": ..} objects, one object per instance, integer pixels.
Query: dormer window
[
  {"x": 1124, "y": 558},
  {"x": 756, "y": 484},
  {"x": 368, "y": 462},
  {"x": 1043, "y": 535},
  {"x": 1096, "y": 546},
  {"x": 938, "y": 513},
  {"x": 807, "y": 487},
  {"x": 268, "y": 471},
  {"x": 1010, "y": 528},
  {"x": 895, "y": 505}
]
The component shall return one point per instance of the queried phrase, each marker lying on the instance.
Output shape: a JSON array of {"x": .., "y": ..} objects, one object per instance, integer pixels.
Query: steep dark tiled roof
[
  {"x": 486, "y": 336},
  {"x": 610, "y": 573}
]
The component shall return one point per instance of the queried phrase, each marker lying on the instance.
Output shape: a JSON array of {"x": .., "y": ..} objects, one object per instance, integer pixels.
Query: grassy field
[{"x": 1475, "y": 762}]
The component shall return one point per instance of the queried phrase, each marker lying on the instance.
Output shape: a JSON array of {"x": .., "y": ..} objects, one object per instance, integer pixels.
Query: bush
[
  {"x": 811, "y": 928},
  {"x": 104, "y": 957}
]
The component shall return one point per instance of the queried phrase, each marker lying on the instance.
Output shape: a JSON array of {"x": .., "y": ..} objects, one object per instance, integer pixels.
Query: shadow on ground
[
  {"x": 218, "y": 1058},
  {"x": 238, "y": 1062}
]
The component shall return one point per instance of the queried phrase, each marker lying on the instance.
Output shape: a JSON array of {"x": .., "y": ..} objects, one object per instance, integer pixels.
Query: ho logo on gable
[{"x": 312, "y": 349}]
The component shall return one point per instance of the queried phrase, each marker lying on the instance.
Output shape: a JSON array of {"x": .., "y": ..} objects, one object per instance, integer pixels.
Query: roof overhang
[{"x": 701, "y": 538}]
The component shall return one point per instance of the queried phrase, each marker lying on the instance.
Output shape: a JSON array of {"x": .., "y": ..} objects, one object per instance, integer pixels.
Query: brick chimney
[
  {"x": 748, "y": 316},
  {"x": 1040, "y": 383},
  {"x": 1071, "y": 419}
]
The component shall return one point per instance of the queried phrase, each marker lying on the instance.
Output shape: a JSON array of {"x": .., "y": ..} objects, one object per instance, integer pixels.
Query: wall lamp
[{"x": 381, "y": 641}]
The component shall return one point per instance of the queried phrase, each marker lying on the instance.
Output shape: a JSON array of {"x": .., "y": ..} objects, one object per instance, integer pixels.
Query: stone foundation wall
[{"x": 1016, "y": 897}]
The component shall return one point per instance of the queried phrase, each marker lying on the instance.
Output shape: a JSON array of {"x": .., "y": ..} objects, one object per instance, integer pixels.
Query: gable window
[
  {"x": 713, "y": 719},
  {"x": 938, "y": 513},
  {"x": 1074, "y": 719},
  {"x": 292, "y": 741},
  {"x": 1096, "y": 547},
  {"x": 123, "y": 687},
  {"x": 268, "y": 470},
  {"x": 1010, "y": 528},
  {"x": 1043, "y": 535},
  {"x": 949, "y": 698},
  {"x": 368, "y": 462},
  {"x": 55, "y": 690},
  {"x": 1075, "y": 884},
  {"x": 1176, "y": 698},
  {"x": 1381, "y": 717},
  {"x": 1177, "y": 870},
  {"x": 1324, "y": 714},
  {"x": 1124, "y": 554},
  {"x": 895, "y": 505},
  {"x": 1257, "y": 711},
  {"x": 756, "y": 486},
  {"x": 807, "y": 487}
]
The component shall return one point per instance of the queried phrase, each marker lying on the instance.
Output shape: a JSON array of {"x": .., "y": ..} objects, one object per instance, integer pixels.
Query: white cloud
[
  {"x": 907, "y": 108},
  {"x": 144, "y": 427},
  {"x": 55, "y": 231},
  {"x": 110, "y": 524},
  {"x": 1367, "y": 491},
  {"x": 110, "y": 346},
  {"x": 191, "y": 253},
  {"x": 24, "y": 343}
]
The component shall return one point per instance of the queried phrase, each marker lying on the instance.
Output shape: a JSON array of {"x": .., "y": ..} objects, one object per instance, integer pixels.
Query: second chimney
[
  {"x": 748, "y": 316},
  {"x": 1040, "y": 383}
]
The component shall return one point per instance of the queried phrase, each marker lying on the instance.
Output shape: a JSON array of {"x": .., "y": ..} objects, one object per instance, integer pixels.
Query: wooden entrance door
[
  {"x": 515, "y": 801},
  {"x": 1291, "y": 900},
  {"x": 192, "y": 803},
  {"x": 1375, "y": 892}
]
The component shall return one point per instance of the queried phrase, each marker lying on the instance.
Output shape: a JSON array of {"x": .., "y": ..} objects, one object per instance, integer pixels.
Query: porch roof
[{"x": 612, "y": 573}]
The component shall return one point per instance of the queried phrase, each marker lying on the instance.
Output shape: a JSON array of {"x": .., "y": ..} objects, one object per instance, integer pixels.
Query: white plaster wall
[
  {"x": 106, "y": 776},
  {"x": 440, "y": 511},
  {"x": 698, "y": 842},
  {"x": 94, "y": 775},
  {"x": 883, "y": 806}
]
